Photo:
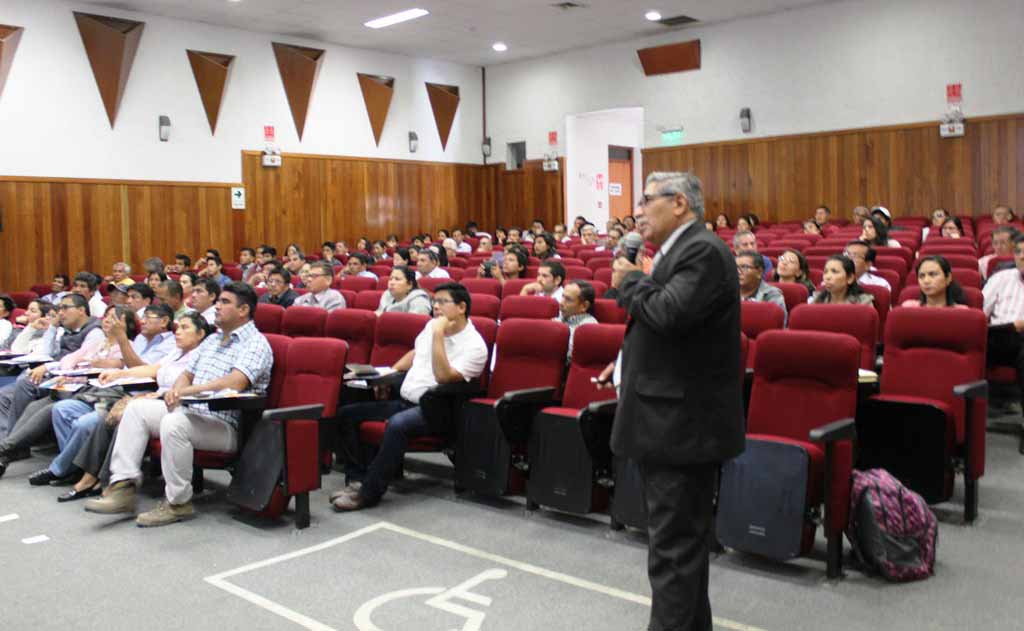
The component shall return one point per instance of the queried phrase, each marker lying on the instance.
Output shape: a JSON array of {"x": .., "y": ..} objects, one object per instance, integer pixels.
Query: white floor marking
[
  {"x": 37, "y": 539},
  {"x": 10, "y": 517},
  {"x": 219, "y": 580}
]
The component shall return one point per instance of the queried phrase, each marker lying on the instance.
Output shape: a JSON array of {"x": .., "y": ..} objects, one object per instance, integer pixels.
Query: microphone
[{"x": 632, "y": 245}]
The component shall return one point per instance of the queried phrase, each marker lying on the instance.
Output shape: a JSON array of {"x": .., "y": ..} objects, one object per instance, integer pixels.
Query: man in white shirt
[
  {"x": 356, "y": 266},
  {"x": 1002, "y": 245},
  {"x": 550, "y": 277},
  {"x": 204, "y": 298},
  {"x": 85, "y": 284},
  {"x": 448, "y": 350},
  {"x": 427, "y": 263},
  {"x": 321, "y": 275},
  {"x": 1004, "y": 306},
  {"x": 863, "y": 255},
  {"x": 575, "y": 308},
  {"x": 461, "y": 245}
]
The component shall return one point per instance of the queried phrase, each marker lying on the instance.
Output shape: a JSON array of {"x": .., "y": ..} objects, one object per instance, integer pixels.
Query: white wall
[
  {"x": 587, "y": 137},
  {"x": 53, "y": 124},
  {"x": 833, "y": 66}
]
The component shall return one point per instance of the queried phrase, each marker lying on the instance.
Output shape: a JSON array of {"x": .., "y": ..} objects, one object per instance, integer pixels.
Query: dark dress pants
[
  {"x": 94, "y": 455},
  {"x": 1007, "y": 349},
  {"x": 680, "y": 518}
]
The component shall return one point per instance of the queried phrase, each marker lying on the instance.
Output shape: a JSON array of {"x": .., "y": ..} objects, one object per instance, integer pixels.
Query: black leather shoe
[
  {"x": 73, "y": 495},
  {"x": 68, "y": 480},
  {"x": 41, "y": 478}
]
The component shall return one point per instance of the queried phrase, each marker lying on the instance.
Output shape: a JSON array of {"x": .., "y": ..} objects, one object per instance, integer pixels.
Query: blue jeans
[
  {"x": 73, "y": 423},
  {"x": 404, "y": 421}
]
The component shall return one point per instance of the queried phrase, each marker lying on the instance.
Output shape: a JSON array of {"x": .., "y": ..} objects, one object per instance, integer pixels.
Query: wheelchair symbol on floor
[{"x": 441, "y": 598}]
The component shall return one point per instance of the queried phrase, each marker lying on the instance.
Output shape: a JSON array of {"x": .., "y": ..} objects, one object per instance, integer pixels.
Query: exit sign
[{"x": 672, "y": 137}]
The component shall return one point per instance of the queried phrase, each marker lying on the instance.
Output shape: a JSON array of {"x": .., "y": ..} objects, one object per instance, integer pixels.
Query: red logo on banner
[
  {"x": 599, "y": 181},
  {"x": 552, "y": 137},
  {"x": 954, "y": 92},
  {"x": 268, "y": 133}
]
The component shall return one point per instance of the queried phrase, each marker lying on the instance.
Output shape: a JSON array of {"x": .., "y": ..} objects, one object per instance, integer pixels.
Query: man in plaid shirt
[{"x": 238, "y": 358}]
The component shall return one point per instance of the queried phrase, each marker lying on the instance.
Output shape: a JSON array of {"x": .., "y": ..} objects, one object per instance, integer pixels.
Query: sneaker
[
  {"x": 118, "y": 498},
  {"x": 165, "y": 513},
  {"x": 352, "y": 488}
]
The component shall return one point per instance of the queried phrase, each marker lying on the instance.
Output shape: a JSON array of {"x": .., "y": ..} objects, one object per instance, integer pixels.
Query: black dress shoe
[
  {"x": 41, "y": 478},
  {"x": 68, "y": 480},
  {"x": 73, "y": 495}
]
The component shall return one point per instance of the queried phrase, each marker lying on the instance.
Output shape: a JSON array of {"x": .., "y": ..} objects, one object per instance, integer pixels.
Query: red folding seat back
[
  {"x": 573, "y": 272},
  {"x": 594, "y": 347},
  {"x": 358, "y": 283},
  {"x": 488, "y": 330},
  {"x": 566, "y": 261},
  {"x": 458, "y": 262},
  {"x": 962, "y": 261},
  {"x": 586, "y": 255},
  {"x": 268, "y": 317},
  {"x": 530, "y": 354},
  {"x": 603, "y": 275},
  {"x": 804, "y": 380},
  {"x": 367, "y": 300},
  {"x": 486, "y": 306},
  {"x": 882, "y": 302},
  {"x": 513, "y": 286},
  {"x": 356, "y": 327},
  {"x": 382, "y": 271},
  {"x": 382, "y": 283},
  {"x": 599, "y": 262},
  {"x": 992, "y": 263},
  {"x": 756, "y": 318},
  {"x": 455, "y": 273},
  {"x": 23, "y": 298},
  {"x": 905, "y": 253},
  {"x": 42, "y": 290},
  {"x": 817, "y": 262},
  {"x": 234, "y": 273},
  {"x": 609, "y": 312},
  {"x": 532, "y": 307},
  {"x": 396, "y": 336},
  {"x": 860, "y": 321},
  {"x": 895, "y": 263},
  {"x": 974, "y": 298},
  {"x": 482, "y": 286},
  {"x": 599, "y": 287},
  {"x": 967, "y": 277},
  {"x": 794, "y": 294},
  {"x": 301, "y": 321},
  {"x": 530, "y": 272}
]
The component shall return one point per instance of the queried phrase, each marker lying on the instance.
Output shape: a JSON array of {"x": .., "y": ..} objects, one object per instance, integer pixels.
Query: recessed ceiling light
[
  {"x": 234, "y": 1},
  {"x": 499, "y": 47},
  {"x": 403, "y": 16},
  {"x": 653, "y": 16}
]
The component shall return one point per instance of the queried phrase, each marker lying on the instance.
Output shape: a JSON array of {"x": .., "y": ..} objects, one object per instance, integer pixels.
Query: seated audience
[
  {"x": 938, "y": 217},
  {"x": 204, "y": 298},
  {"x": 839, "y": 284},
  {"x": 882, "y": 214},
  {"x": 863, "y": 257},
  {"x": 611, "y": 242},
  {"x": 327, "y": 254},
  {"x": 859, "y": 214},
  {"x": 246, "y": 260},
  {"x": 811, "y": 227},
  {"x": 952, "y": 228},
  {"x": 1002, "y": 214},
  {"x": 448, "y": 350},
  {"x": 449, "y": 248},
  {"x": 938, "y": 289},
  {"x": 550, "y": 279},
  {"x": 171, "y": 293},
  {"x": 320, "y": 293},
  {"x": 295, "y": 262},
  {"x": 461, "y": 245},
  {"x": 380, "y": 251},
  {"x": 140, "y": 296},
  {"x": 340, "y": 249},
  {"x": 743, "y": 225},
  {"x": 156, "y": 264},
  {"x": 237, "y": 357},
  {"x": 6, "y": 326},
  {"x": 750, "y": 268},
  {"x": 544, "y": 247},
  {"x": 875, "y": 232},
  {"x": 188, "y": 282},
  {"x": 85, "y": 285},
  {"x": 629, "y": 223},
  {"x": 357, "y": 266},
  {"x": 117, "y": 295},
  {"x": 588, "y": 234},
  {"x": 513, "y": 265},
  {"x": 39, "y": 317},
  {"x": 403, "y": 294},
  {"x": 214, "y": 267},
  {"x": 793, "y": 268},
  {"x": 200, "y": 266},
  {"x": 1004, "y": 306},
  {"x": 279, "y": 288},
  {"x": 363, "y": 244},
  {"x": 576, "y": 308},
  {"x": 401, "y": 257},
  {"x": 182, "y": 263},
  {"x": 745, "y": 241},
  {"x": 823, "y": 217},
  {"x": 485, "y": 246},
  {"x": 722, "y": 221},
  {"x": 120, "y": 274},
  {"x": 59, "y": 286},
  {"x": 1002, "y": 245},
  {"x": 153, "y": 280},
  {"x": 427, "y": 265},
  {"x": 558, "y": 232}
]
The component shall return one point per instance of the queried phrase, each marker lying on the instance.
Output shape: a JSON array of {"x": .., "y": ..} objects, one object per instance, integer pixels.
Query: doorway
[{"x": 620, "y": 181}]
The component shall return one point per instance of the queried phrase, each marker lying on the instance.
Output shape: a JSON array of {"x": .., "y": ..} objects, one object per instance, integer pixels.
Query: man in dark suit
[{"x": 680, "y": 402}]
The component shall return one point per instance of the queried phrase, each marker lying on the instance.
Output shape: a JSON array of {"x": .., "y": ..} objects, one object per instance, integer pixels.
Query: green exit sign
[{"x": 672, "y": 137}]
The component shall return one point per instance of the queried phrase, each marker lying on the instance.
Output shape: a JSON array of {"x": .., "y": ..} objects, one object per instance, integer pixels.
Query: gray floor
[{"x": 98, "y": 572}]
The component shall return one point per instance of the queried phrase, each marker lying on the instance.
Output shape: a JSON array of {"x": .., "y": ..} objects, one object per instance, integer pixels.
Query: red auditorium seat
[
  {"x": 974, "y": 297},
  {"x": 532, "y": 307},
  {"x": 299, "y": 321},
  {"x": 382, "y": 271},
  {"x": 599, "y": 262},
  {"x": 367, "y": 300},
  {"x": 609, "y": 312},
  {"x": 42, "y": 290},
  {"x": 962, "y": 261},
  {"x": 268, "y": 318},
  {"x": 356, "y": 327},
  {"x": 482, "y": 286},
  {"x": 756, "y": 318},
  {"x": 859, "y": 321},
  {"x": 563, "y": 473},
  {"x": 604, "y": 275},
  {"x": 992, "y": 262},
  {"x": 794, "y": 294},
  {"x": 882, "y": 303},
  {"x": 234, "y": 273},
  {"x": 599, "y": 287},
  {"x": 566, "y": 261},
  {"x": 455, "y": 273},
  {"x": 23, "y": 298},
  {"x": 395, "y": 336},
  {"x": 382, "y": 283},
  {"x": 805, "y": 395},
  {"x": 349, "y": 296},
  {"x": 486, "y": 306},
  {"x": 527, "y": 376},
  {"x": 513, "y": 286},
  {"x": 573, "y": 272},
  {"x": 929, "y": 420},
  {"x": 358, "y": 283}
]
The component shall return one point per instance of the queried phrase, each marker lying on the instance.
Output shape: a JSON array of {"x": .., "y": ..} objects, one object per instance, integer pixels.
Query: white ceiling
[{"x": 456, "y": 30}]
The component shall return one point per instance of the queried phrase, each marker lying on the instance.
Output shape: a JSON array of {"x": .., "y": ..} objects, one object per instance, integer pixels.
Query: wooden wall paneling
[
  {"x": 678, "y": 57},
  {"x": 524, "y": 194},
  {"x": 907, "y": 168},
  {"x": 110, "y": 44},
  {"x": 444, "y": 101},
  {"x": 211, "y": 71},
  {"x": 10, "y": 36},
  {"x": 299, "y": 67},
  {"x": 377, "y": 92}
]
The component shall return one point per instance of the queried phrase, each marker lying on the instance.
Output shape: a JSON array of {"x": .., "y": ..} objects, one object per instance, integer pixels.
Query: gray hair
[
  {"x": 686, "y": 184},
  {"x": 153, "y": 265},
  {"x": 739, "y": 235},
  {"x": 127, "y": 267}
]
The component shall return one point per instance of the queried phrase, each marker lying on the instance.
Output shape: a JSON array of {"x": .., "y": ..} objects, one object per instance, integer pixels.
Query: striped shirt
[
  {"x": 245, "y": 350},
  {"x": 1004, "y": 297}
]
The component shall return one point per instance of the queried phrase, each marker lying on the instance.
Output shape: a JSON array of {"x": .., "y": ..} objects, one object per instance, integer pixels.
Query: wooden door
[{"x": 620, "y": 178}]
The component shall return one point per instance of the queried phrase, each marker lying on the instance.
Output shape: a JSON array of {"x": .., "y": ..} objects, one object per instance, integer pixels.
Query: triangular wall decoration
[
  {"x": 110, "y": 43},
  {"x": 444, "y": 100},
  {"x": 377, "y": 93},
  {"x": 211, "y": 71},
  {"x": 9, "y": 38},
  {"x": 299, "y": 67}
]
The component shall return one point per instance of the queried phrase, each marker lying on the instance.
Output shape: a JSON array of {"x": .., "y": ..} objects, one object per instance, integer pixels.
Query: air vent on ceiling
[
  {"x": 565, "y": 6},
  {"x": 677, "y": 20}
]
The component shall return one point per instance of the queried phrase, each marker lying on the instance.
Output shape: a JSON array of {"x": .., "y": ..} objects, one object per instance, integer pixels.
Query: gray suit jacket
[{"x": 680, "y": 398}]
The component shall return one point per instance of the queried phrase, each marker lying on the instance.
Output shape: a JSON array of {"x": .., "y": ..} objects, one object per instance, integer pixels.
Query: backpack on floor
[{"x": 891, "y": 529}]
